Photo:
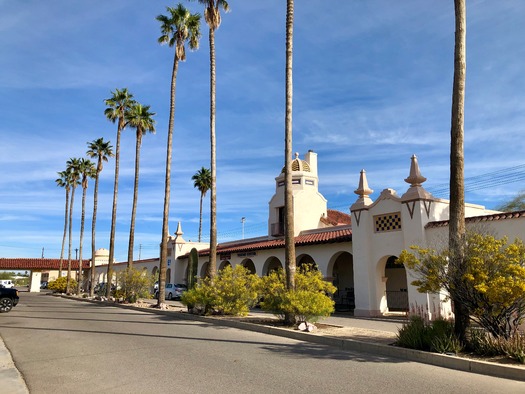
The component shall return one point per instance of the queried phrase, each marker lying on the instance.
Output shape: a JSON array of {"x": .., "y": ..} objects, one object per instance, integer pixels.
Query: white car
[
  {"x": 172, "y": 291},
  {"x": 7, "y": 283}
]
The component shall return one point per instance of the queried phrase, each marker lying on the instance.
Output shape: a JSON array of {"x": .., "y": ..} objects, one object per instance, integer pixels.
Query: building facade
[{"x": 355, "y": 251}]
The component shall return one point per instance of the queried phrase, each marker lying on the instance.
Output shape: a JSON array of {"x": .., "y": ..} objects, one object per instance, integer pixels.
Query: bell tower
[{"x": 309, "y": 205}]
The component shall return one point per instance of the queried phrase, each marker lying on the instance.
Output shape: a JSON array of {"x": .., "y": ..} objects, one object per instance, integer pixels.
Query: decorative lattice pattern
[{"x": 388, "y": 222}]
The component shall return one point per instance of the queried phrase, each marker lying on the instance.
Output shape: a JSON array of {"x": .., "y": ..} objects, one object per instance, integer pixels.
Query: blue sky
[{"x": 372, "y": 86}]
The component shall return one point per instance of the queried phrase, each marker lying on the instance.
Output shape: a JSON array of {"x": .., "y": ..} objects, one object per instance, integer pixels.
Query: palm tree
[
  {"x": 102, "y": 150},
  {"x": 140, "y": 119},
  {"x": 72, "y": 166},
  {"x": 86, "y": 170},
  {"x": 289, "y": 240},
  {"x": 212, "y": 16},
  {"x": 117, "y": 105},
  {"x": 202, "y": 181},
  {"x": 65, "y": 182},
  {"x": 178, "y": 28},
  {"x": 456, "y": 238}
]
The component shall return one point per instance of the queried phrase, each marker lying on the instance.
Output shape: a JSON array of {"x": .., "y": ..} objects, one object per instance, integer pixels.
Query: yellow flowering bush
[
  {"x": 307, "y": 303},
  {"x": 492, "y": 285},
  {"x": 232, "y": 292}
]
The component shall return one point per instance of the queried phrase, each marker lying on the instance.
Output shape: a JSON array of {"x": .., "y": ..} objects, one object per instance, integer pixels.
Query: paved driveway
[{"x": 66, "y": 346}]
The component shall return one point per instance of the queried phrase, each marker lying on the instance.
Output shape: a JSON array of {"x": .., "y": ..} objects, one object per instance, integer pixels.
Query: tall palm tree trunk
[
  {"x": 135, "y": 198},
  {"x": 93, "y": 226},
  {"x": 68, "y": 279},
  {"x": 457, "y": 186},
  {"x": 82, "y": 221},
  {"x": 64, "y": 236},
  {"x": 200, "y": 216},
  {"x": 167, "y": 187},
  {"x": 212, "y": 266},
  {"x": 289, "y": 217},
  {"x": 113, "y": 213}
]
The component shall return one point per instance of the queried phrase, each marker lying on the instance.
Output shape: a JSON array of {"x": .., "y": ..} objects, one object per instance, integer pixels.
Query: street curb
[
  {"x": 11, "y": 380},
  {"x": 436, "y": 359}
]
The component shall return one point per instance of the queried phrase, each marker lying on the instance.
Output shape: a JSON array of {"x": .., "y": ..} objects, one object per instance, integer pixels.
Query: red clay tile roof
[
  {"x": 337, "y": 218},
  {"x": 478, "y": 219},
  {"x": 322, "y": 236},
  {"x": 38, "y": 264},
  {"x": 150, "y": 260}
]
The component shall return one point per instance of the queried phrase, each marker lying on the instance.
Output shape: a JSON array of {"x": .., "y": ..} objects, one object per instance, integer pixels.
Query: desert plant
[
  {"x": 60, "y": 284},
  {"x": 492, "y": 286},
  {"x": 233, "y": 292},
  {"x": 200, "y": 298},
  {"x": 514, "y": 347},
  {"x": 434, "y": 336},
  {"x": 192, "y": 268},
  {"x": 133, "y": 284},
  {"x": 412, "y": 334},
  {"x": 307, "y": 303},
  {"x": 483, "y": 343}
]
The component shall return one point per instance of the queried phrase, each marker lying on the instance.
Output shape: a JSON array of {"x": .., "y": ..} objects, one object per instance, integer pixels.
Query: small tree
[
  {"x": 516, "y": 204},
  {"x": 493, "y": 283},
  {"x": 307, "y": 303},
  {"x": 134, "y": 284},
  {"x": 232, "y": 292},
  {"x": 60, "y": 284}
]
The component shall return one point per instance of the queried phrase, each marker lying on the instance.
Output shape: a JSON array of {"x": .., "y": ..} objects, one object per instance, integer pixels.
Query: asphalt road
[{"x": 66, "y": 346}]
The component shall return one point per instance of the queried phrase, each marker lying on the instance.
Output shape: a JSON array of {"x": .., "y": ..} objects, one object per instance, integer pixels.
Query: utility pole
[
  {"x": 243, "y": 219},
  {"x": 140, "y": 250},
  {"x": 42, "y": 252}
]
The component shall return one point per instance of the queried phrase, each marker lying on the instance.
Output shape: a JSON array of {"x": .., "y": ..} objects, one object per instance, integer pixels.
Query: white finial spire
[
  {"x": 179, "y": 232},
  {"x": 415, "y": 178},
  {"x": 363, "y": 191}
]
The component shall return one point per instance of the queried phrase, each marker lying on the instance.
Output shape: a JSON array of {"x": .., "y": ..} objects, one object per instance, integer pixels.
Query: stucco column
[{"x": 34, "y": 284}]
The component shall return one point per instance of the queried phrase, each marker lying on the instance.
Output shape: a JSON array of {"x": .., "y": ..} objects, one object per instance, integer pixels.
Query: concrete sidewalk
[{"x": 11, "y": 380}]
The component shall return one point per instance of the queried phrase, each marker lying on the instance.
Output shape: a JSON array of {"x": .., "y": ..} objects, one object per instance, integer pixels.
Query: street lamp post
[{"x": 243, "y": 219}]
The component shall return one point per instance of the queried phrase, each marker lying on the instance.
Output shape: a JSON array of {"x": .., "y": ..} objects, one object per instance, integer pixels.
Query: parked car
[
  {"x": 8, "y": 298},
  {"x": 7, "y": 283},
  {"x": 172, "y": 291},
  {"x": 100, "y": 288},
  {"x": 43, "y": 285}
]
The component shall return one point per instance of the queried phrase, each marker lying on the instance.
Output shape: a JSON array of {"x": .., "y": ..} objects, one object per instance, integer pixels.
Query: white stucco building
[{"x": 356, "y": 251}]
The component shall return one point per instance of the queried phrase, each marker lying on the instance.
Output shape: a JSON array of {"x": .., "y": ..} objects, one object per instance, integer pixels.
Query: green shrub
[
  {"x": 232, "y": 292},
  {"x": 514, "y": 347},
  {"x": 200, "y": 298},
  {"x": 435, "y": 336},
  {"x": 413, "y": 334},
  {"x": 133, "y": 284},
  {"x": 308, "y": 303},
  {"x": 484, "y": 343},
  {"x": 59, "y": 285},
  {"x": 273, "y": 293}
]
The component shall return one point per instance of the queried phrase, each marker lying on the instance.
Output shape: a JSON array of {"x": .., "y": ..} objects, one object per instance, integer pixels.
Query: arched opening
[
  {"x": 204, "y": 270},
  {"x": 342, "y": 273},
  {"x": 224, "y": 264},
  {"x": 271, "y": 264},
  {"x": 168, "y": 276},
  {"x": 396, "y": 286},
  {"x": 155, "y": 271},
  {"x": 304, "y": 261},
  {"x": 249, "y": 265}
]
